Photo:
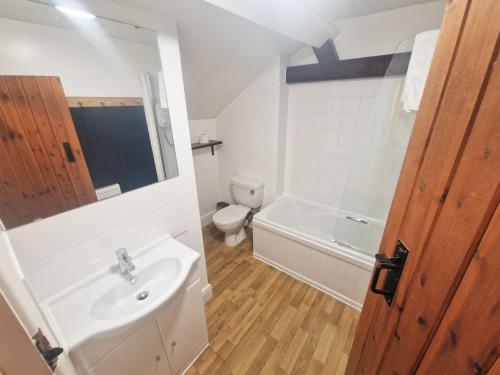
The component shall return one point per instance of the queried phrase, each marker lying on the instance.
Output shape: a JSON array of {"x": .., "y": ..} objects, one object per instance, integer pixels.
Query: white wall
[
  {"x": 206, "y": 167},
  {"x": 249, "y": 128},
  {"x": 92, "y": 66},
  {"x": 381, "y": 33},
  {"x": 58, "y": 251}
]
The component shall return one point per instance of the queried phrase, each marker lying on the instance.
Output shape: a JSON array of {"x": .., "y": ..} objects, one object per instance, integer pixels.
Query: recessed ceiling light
[{"x": 75, "y": 13}]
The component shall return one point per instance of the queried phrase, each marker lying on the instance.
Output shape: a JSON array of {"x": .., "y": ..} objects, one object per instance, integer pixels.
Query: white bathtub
[{"x": 298, "y": 237}]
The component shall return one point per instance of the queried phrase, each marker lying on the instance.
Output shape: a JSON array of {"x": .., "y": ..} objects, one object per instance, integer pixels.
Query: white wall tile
[
  {"x": 335, "y": 157},
  {"x": 351, "y": 105}
]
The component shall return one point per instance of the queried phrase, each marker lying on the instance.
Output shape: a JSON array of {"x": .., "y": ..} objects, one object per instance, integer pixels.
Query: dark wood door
[
  {"x": 39, "y": 176},
  {"x": 447, "y": 194}
]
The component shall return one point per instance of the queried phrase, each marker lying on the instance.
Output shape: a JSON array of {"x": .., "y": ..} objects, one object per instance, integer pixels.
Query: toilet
[{"x": 247, "y": 193}]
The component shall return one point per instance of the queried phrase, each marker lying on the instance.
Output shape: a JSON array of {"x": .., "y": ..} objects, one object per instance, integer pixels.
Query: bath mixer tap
[{"x": 126, "y": 265}]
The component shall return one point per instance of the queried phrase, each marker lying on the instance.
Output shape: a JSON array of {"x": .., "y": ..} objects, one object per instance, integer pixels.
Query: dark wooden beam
[
  {"x": 327, "y": 53},
  {"x": 364, "y": 67}
]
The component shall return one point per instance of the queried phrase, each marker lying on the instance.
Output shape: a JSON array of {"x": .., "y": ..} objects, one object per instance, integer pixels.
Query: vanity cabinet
[
  {"x": 165, "y": 344},
  {"x": 183, "y": 328},
  {"x": 141, "y": 353}
]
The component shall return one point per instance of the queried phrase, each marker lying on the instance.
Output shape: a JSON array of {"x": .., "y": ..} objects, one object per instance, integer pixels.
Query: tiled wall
[{"x": 345, "y": 143}]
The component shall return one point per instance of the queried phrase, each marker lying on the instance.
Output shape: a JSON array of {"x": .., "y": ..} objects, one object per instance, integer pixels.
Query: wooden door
[
  {"x": 447, "y": 194},
  {"x": 18, "y": 355},
  {"x": 43, "y": 170}
]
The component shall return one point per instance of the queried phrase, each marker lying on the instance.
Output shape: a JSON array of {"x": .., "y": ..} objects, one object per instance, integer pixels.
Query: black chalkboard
[{"x": 116, "y": 145}]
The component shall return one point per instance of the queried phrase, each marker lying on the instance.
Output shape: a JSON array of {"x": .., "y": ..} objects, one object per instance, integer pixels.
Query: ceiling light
[{"x": 75, "y": 13}]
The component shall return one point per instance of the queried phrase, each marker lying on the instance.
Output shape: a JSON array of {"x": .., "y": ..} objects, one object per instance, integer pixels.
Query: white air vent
[{"x": 108, "y": 191}]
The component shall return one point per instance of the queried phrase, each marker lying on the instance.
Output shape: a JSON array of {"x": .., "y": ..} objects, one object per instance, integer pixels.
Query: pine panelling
[
  {"x": 50, "y": 141},
  {"x": 468, "y": 338},
  {"x": 262, "y": 321},
  {"x": 8, "y": 212},
  {"x": 62, "y": 125},
  {"x": 54, "y": 199},
  {"x": 36, "y": 179},
  {"x": 85, "y": 189},
  {"x": 19, "y": 159}
]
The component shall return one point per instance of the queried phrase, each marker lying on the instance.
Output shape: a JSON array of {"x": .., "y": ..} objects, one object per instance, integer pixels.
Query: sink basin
[
  {"x": 107, "y": 305},
  {"x": 122, "y": 299}
]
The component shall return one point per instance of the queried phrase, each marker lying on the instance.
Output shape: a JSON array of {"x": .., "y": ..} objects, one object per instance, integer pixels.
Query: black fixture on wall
[{"x": 330, "y": 67}]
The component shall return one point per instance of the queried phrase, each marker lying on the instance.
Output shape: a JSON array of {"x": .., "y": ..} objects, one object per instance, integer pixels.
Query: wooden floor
[{"x": 262, "y": 321}]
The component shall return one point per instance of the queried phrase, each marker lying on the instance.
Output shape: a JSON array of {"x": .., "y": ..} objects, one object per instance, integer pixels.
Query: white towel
[{"x": 418, "y": 69}]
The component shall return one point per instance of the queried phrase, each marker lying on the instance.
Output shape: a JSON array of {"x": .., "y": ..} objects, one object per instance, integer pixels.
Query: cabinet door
[
  {"x": 141, "y": 354},
  {"x": 183, "y": 328}
]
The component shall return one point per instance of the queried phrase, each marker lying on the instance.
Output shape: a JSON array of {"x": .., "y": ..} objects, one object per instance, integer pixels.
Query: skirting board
[
  {"x": 310, "y": 282},
  {"x": 207, "y": 218},
  {"x": 207, "y": 293}
]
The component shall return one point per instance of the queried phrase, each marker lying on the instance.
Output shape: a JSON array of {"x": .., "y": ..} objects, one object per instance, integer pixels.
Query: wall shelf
[{"x": 211, "y": 144}]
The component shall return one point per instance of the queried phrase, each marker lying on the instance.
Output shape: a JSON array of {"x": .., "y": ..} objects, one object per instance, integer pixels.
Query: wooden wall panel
[
  {"x": 54, "y": 200},
  {"x": 18, "y": 158},
  {"x": 80, "y": 175},
  {"x": 37, "y": 179},
  {"x": 50, "y": 141}
]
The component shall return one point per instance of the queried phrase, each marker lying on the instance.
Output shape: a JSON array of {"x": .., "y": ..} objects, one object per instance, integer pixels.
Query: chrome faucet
[{"x": 126, "y": 265}]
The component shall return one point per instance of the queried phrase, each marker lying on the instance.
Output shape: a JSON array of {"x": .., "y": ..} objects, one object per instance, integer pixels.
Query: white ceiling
[
  {"x": 38, "y": 13},
  {"x": 222, "y": 52},
  {"x": 341, "y": 9}
]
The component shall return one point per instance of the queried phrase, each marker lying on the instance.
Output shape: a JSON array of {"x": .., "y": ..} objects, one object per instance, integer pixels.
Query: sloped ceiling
[{"x": 221, "y": 52}]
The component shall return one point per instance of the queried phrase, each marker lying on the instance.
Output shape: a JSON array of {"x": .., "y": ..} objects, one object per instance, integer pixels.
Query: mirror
[{"x": 83, "y": 111}]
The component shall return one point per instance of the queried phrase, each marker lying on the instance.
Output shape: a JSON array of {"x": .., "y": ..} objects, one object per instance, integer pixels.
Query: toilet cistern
[
  {"x": 126, "y": 265},
  {"x": 248, "y": 194}
]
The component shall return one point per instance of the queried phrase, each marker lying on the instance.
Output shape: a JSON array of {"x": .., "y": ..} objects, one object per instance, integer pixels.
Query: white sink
[
  {"x": 106, "y": 304},
  {"x": 126, "y": 299}
]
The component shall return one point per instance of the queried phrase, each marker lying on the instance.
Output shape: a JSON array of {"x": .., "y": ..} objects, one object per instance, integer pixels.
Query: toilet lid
[{"x": 231, "y": 214}]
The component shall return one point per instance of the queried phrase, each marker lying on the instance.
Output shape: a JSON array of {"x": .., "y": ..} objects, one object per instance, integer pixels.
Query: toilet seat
[{"x": 231, "y": 215}]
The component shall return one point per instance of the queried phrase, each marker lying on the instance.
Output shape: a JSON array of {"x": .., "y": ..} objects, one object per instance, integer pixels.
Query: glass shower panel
[{"x": 377, "y": 158}]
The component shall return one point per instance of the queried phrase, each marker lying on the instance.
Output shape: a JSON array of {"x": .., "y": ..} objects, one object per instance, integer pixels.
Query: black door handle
[
  {"x": 376, "y": 275},
  {"x": 394, "y": 267},
  {"x": 69, "y": 152}
]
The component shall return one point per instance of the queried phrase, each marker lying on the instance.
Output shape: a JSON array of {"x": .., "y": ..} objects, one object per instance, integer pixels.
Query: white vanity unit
[{"x": 153, "y": 323}]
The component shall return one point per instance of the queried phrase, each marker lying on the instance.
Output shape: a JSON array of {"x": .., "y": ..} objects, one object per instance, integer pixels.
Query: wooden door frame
[{"x": 460, "y": 26}]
